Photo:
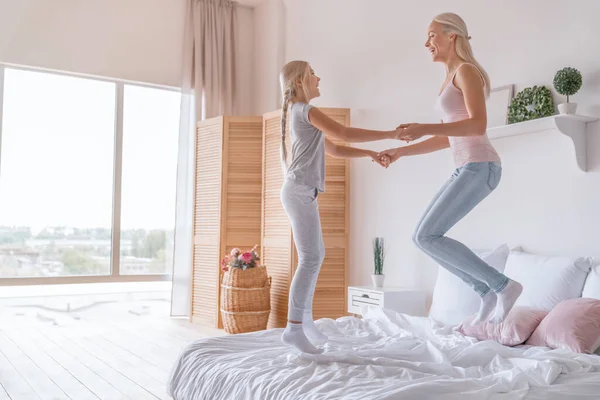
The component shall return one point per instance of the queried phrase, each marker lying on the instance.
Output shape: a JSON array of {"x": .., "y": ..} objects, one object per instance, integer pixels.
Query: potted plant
[
  {"x": 378, "y": 259},
  {"x": 567, "y": 82}
]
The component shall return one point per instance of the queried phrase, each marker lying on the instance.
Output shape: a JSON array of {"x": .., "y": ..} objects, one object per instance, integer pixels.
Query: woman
[
  {"x": 461, "y": 105},
  {"x": 310, "y": 130}
]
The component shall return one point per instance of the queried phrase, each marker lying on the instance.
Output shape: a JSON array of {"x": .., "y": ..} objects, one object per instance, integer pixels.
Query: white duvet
[{"x": 383, "y": 356}]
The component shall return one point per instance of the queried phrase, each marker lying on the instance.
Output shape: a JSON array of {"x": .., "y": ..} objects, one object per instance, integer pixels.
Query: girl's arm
[
  {"x": 469, "y": 81},
  {"x": 336, "y": 130},
  {"x": 340, "y": 151}
]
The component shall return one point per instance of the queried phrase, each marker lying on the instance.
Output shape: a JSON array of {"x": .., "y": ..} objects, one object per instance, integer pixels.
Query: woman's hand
[
  {"x": 410, "y": 132},
  {"x": 390, "y": 156},
  {"x": 375, "y": 157}
]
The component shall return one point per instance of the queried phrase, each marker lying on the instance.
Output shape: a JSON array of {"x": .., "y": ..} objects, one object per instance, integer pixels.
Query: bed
[{"x": 384, "y": 355}]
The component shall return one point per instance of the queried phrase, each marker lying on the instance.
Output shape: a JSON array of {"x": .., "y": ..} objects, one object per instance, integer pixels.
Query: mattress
[{"x": 384, "y": 355}]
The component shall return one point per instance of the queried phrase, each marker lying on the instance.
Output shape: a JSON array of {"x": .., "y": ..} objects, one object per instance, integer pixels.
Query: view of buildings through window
[{"x": 57, "y": 168}]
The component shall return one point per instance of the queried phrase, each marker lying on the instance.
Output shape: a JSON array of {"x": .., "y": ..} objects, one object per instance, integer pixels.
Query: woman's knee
[
  {"x": 422, "y": 238},
  {"x": 415, "y": 237},
  {"x": 418, "y": 238}
]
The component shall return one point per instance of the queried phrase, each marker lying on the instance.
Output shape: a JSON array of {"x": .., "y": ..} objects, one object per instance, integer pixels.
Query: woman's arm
[
  {"x": 336, "y": 130},
  {"x": 469, "y": 81},
  {"x": 426, "y": 146},
  {"x": 340, "y": 151}
]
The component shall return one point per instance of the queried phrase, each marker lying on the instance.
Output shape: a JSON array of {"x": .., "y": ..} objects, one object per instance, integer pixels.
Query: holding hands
[
  {"x": 390, "y": 156},
  {"x": 385, "y": 158},
  {"x": 410, "y": 132},
  {"x": 379, "y": 158},
  {"x": 406, "y": 132}
]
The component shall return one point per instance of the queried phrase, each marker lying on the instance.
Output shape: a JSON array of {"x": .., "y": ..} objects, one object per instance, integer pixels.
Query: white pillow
[
  {"x": 591, "y": 288},
  {"x": 453, "y": 300},
  {"x": 547, "y": 280}
]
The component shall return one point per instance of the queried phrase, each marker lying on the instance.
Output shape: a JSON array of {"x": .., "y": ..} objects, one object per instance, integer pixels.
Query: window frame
[{"x": 115, "y": 264}]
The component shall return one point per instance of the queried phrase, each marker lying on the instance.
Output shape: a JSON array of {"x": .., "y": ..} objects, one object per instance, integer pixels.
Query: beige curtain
[
  {"x": 208, "y": 90},
  {"x": 209, "y": 57}
]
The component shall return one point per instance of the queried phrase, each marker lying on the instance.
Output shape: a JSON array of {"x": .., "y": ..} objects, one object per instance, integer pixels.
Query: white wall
[
  {"x": 371, "y": 58},
  {"x": 136, "y": 40},
  {"x": 269, "y": 40},
  {"x": 139, "y": 40}
]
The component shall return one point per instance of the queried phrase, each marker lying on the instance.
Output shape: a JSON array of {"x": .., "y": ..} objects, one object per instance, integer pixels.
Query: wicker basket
[{"x": 245, "y": 299}]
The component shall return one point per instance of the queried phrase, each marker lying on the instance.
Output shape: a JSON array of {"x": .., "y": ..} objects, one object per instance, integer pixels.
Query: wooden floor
[{"x": 121, "y": 348}]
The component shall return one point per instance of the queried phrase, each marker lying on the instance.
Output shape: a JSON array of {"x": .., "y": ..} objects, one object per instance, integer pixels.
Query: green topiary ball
[
  {"x": 567, "y": 81},
  {"x": 531, "y": 103}
]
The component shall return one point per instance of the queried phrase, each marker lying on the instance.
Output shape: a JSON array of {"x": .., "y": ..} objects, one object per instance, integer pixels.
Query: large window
[
  {"x": 151, "y": 119},
  {"x": 68, "y": 169}
]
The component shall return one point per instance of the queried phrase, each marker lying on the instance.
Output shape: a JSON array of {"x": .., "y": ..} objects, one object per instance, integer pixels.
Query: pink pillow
[
  {"x": 573, "y": 324},
  {"x": 516, "y": 328}
]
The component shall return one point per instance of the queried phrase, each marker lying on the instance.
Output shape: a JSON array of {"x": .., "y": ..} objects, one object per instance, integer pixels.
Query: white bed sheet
[{"x": 383, "y": 356}]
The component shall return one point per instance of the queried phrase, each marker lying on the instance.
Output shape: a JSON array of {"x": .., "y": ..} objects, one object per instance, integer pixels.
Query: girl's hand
[{"x": 410, "y": 132}]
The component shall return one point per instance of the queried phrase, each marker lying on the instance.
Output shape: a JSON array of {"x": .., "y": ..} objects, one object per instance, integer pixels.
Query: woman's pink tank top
[{"x": 451, "y": 106}]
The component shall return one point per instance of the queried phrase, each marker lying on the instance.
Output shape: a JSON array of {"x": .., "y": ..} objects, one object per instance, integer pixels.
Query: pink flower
[
  {"x": 224, "y": 268},
  {"x": 225, "y": 261},
  {"x": 235, "y": 252},
  {"x": 246, "y": 257}
]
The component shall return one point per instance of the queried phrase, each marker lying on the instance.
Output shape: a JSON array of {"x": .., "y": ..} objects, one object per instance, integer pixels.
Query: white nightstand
[{"x": 403, "y": 300}]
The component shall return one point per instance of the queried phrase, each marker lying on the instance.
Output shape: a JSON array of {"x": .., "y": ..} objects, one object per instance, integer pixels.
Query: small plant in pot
[
  {"x": 567, "y": 82},
  {"x": 378, "y": 259}
]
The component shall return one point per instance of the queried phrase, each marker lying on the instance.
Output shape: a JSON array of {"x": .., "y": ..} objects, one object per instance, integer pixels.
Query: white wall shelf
[{"x": 572, "y": 126}]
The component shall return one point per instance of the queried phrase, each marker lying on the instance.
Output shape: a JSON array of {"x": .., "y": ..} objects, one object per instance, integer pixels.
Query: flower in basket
[
  {"x": 237, "y": 259},
  {"x": 246, "y": 257},
  {"x": 224, "y": 264}
]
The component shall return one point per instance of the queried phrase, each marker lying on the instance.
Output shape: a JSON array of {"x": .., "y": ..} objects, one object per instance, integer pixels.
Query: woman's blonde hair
[
  {"x": 291, "y": 74},
  {"x": 452, "y": 23}
]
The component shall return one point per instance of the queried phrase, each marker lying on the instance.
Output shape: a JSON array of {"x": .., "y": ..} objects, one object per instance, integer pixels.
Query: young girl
[
  {"x": 461, "y": 105},
  {"x": 303, "y": 180}
]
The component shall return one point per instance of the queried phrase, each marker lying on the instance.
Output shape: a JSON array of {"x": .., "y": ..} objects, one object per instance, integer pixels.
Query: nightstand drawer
[
  {"x": 403, "y": 300},
  {"x": 360, "y": 298},
  {"x": 365, "y": 299}
]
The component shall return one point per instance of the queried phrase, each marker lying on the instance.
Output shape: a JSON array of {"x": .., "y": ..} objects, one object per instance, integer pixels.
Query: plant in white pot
[
  {"x": 567, "y": 82},
  {"x": 378, "y": 259}
]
